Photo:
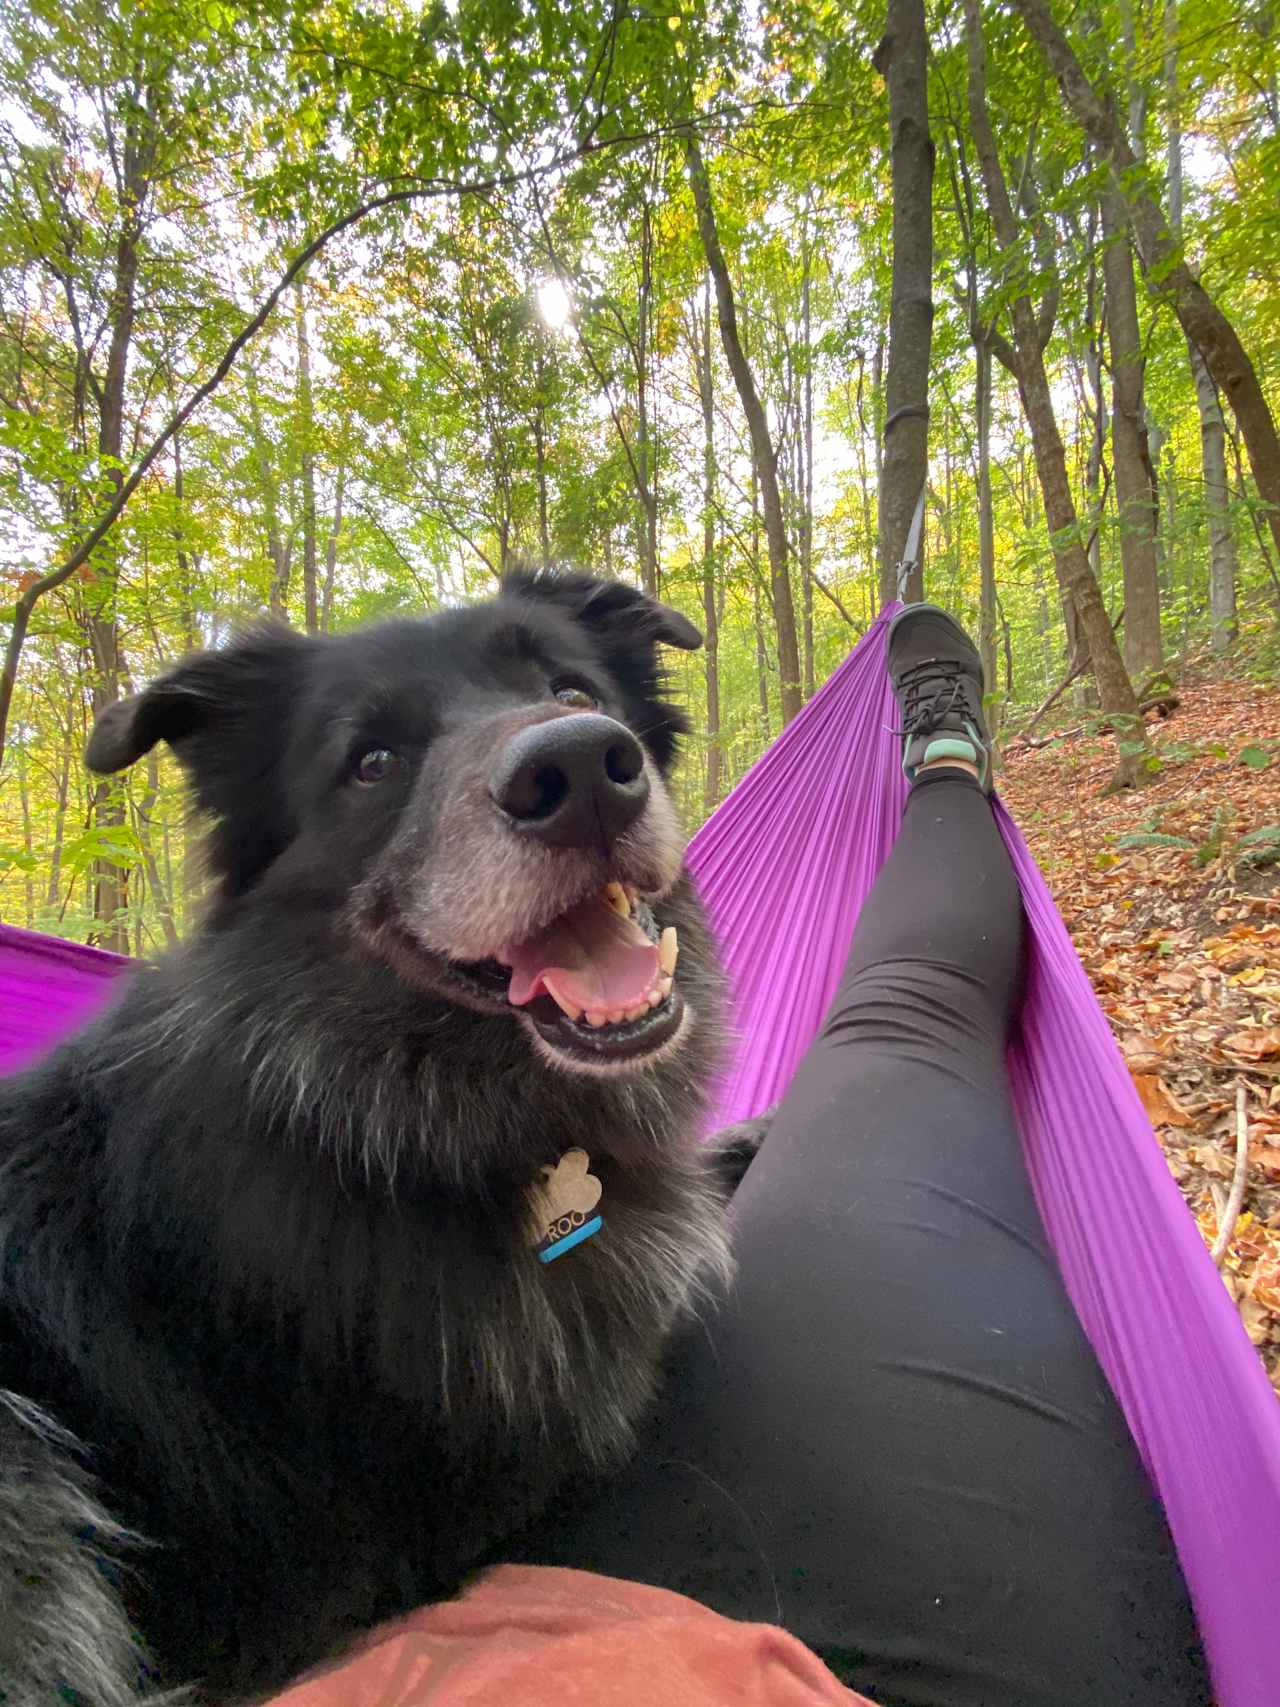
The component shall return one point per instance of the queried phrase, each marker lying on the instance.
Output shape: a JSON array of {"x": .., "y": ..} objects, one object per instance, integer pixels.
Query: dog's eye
[
  {"x": 569, "y": 693},
  {"x": 376, "y": 765}
]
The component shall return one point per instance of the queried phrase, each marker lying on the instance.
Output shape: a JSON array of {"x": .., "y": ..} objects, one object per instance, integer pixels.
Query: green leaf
[
  {"x": 1259, "y": 848},
  {"x": 17, "y": 859},
  {"x": 1257, "y": 758},
  {"x": 1154, "y": 839}
]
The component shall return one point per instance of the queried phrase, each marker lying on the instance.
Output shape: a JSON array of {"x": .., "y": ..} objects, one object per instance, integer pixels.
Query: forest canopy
[{"x": 337, "y": 311}]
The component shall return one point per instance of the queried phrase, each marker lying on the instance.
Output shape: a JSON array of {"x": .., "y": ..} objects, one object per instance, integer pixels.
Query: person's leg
[{"x": 892, "y": 1437}]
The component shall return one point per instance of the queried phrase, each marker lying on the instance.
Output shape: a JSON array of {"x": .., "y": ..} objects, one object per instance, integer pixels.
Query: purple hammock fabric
[
  {"x": 784, "y": 866},
  {"x": 47, "y": 988}
]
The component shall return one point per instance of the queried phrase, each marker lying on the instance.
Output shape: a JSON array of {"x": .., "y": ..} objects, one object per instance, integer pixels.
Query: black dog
[{"x": 283, "y": 1349}]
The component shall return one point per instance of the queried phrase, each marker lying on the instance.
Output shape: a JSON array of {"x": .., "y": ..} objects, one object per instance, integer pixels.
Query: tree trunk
[
  {"x": 763, "y": 457},
  {"x": 986, "y": 527},
  {"x": 646, "y": 450},
  {"x": 306, "y": 414},
  {"x": 1223, "y": 562},
  {"x": 540, "y": 454},
  {"x": 59, "y": 823},
  {"x": 1075, "y": 578},
  {"x": 1135, "y": 480},
  {"x": 143, "y": 809},
  {"x": 279, "y": 550},
  {"x": 1168, "y": 276},
  {"x": 28, "y": 846},
  {"x": 331, "y": 550},
  {"x": 902, "y": 60},
  {"x": 710, "y": 605},
  {"x": 867, "y": 547},
  {"x": 1097, "y": 411},
  {"x": 183, "y": 558},
  {"x": 1222, "y": 540},
  {"x": 110, "y": 881},
  {"x": 762, "y": 655},
  {"x": 806, "y": 484}
]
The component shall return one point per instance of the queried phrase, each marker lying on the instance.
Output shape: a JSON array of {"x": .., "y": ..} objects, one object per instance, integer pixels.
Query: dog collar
[{"x": 563, "y": 1202}]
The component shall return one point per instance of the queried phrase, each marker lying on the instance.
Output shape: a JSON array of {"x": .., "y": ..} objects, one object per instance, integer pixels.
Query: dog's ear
[
  {"x": 613, "y": 609},
  {"x": 627, "y": 626},
  {"x": 226, "y": 715}
]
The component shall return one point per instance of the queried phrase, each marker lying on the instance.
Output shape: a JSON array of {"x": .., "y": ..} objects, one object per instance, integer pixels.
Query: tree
[
  {"x": 1025, "y": 358},
  {"x": 902, "y": 59},
  {"x": 764, "y": 456},
  {"x": 1135, "y": 477},
  {"x": 1167, "y": 273},
  {"x": 1223, "y": 563}
]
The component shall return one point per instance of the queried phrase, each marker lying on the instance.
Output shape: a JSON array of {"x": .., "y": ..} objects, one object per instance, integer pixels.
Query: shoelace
[{"x": 922, "y": 709}]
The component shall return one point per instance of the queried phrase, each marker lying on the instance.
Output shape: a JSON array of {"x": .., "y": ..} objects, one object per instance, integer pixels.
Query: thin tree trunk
[
  {"x": 1223, "y": 561},
  {"x": 28, "y": 847},
  {"x": 186, "y": 567},
  {"x": 540, "y": 454},
  {"x": 710, "y": 605},
  {"x": 143, "y": 810},
  {"x": 1143, "y": 653},
  {"x": 806, "y": 487},
  {"x": 763, "y": 456},
  {"x": 59, "y": 824},
  {"x": 1026, "y": 357},
  {"x": 306, "y": 414},
  {"x": 1168, "y": 276},
  {"x": 902, "y": 59},
  {"x": 1095, "y": 408},
  {"x": 331, "y": 550},
  {"x": 1259, "y": 532},
  {"x": 868, "y": 544},
  {"x": 110, "y": 881},
  {"x": 762, "y": 654},
  {"x": 279, "y": 551},
  {"x": 986, "y": 526},
  {"x": 648, "y": 498}
]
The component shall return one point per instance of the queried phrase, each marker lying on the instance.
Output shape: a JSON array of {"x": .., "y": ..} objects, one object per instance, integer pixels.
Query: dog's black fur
[{"x": 280, "y": 1359}]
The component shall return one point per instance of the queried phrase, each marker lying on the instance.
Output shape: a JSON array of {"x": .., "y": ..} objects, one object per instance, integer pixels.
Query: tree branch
[{"x": 430, "y": 189}]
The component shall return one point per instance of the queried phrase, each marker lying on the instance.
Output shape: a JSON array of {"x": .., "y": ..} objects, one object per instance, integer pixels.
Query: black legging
[{"x": 892, "y": 1437}]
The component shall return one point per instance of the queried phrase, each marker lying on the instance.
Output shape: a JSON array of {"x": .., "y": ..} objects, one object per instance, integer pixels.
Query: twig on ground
[{"x": 1228, "y": 1223}]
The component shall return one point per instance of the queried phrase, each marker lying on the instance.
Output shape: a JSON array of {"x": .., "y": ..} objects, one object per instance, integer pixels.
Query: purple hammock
[{"x": 784, "y": 866}]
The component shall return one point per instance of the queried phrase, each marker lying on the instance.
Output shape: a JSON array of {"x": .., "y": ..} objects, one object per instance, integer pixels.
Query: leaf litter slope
[{"x": 1172, "y": 896}]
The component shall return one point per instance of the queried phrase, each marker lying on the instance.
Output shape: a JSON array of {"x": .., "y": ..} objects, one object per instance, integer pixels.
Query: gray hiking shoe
[{"x": 937, "y": 681}]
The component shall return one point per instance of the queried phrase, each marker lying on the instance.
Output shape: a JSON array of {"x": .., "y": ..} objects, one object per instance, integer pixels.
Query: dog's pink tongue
[{"x": 590, "y": 958}]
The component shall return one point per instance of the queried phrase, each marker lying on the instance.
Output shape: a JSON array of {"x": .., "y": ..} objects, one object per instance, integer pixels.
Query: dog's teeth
[
  {"x": 654, "y": 998},
  {"x": 638, "y": 1012},
  {"x": 664, "y": 985},
  {"x": 595, "y": 1017},
  {"x": 616, "y": 896},
  {"x": 668, "y": 949},
  {"x": 570, "y": 1008}
]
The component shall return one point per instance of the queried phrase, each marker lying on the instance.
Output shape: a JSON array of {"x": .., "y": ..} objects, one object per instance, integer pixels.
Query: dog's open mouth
[{"x": 598, "y": 982}]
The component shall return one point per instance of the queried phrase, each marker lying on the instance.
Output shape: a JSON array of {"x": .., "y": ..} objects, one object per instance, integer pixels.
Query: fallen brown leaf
[
  {"x": 1163, "y": 1108},
  {"x": 1257, "y": 1044}
]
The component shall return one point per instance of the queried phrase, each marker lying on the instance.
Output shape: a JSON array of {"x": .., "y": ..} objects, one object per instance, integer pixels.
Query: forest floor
[{"x": 1172, "y": 895}]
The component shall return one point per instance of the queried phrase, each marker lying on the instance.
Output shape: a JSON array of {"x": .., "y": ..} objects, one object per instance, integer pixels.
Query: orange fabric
[{"x": 531, "y": 1636}]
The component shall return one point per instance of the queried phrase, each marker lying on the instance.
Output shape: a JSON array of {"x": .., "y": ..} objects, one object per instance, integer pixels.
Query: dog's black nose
[{"x": 573, "y": 782}]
